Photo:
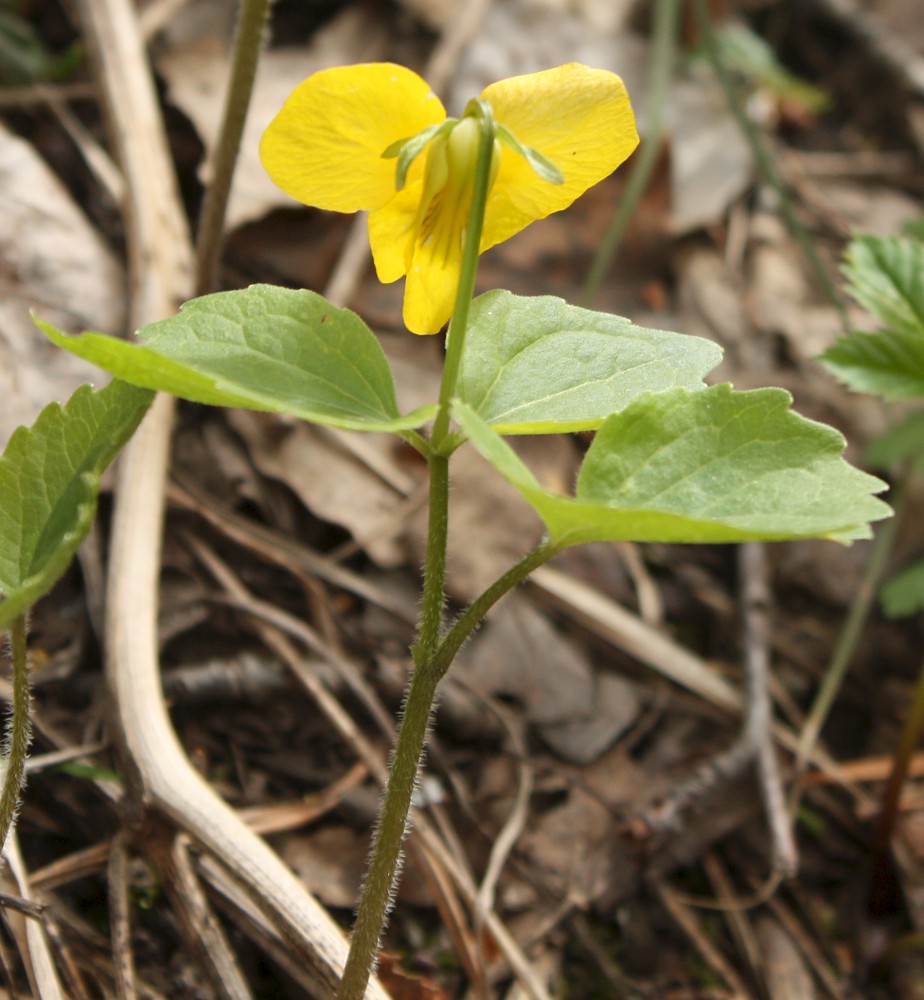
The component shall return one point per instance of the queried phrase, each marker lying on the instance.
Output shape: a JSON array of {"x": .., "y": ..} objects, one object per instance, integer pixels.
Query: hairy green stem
[
  {"x": 19, "y": 729},
  {"x": 469, "y": 620},
  {"x": 384, "y": 860},
  {"x": 248, "y": 42},
  {"x": 455, "y": 337},
  {"x": 663, "y": 45},
  {"x": 764, "y": 160},
  {"x": 433, "y": 597},
  {"x": 405, "y": 764}
]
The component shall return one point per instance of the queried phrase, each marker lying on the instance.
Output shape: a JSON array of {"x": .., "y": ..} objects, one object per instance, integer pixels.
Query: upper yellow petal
[
  {"x": 325, "y": 146},
  {"x": 577, "y": 117}
]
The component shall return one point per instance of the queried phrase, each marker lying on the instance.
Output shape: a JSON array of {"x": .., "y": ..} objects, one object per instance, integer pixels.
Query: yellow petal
[
  {"x": 432, "y": 272},
  {"x": 430, "y": 290},
  {"x": 325, "y": 146},
  {"x": 577, "y": 117},
  {"x": 390, "y": 229}
]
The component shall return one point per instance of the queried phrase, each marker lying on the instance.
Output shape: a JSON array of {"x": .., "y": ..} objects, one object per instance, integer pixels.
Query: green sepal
[
  {"x": 545, "y": 168},
  {"x": 407, "y": 150}
]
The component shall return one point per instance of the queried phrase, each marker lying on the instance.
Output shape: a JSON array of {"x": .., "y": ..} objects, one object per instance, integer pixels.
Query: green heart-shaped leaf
[
  {"x": 261, "y": 348},
  {"x": 710, "y": 466},
  {"x": 539, "y": 365}
]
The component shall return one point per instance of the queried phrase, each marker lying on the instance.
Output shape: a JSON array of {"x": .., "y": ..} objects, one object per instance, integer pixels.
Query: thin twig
[
  {"x": 764, "y": 160},
  {"x": 202, "y": 928},
  {"x": 663, "y": 44},
  {"x": 120, "y": 920},
  {"x": 854, "y": 623},
  {"x": 757, "y": 730},
  {"x": 685, "y": 920},
  {"x": 251, "y": 24}
]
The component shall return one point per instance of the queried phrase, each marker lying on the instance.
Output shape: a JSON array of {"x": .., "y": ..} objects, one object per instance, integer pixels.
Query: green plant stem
[
  {"x": 248, "y": 42},
  {"x": 473, "y": 615},
  {"x": 455, "y": 337},
  {"x": 20, "y": 729},
  {"x": 853, "y": 627},
  {"x": 433, "y": 598},
  {"x": 663, "y": 45},
  {"x": 384, "y": 859},
  {"x": 405, "y": 764},
  {"x": 764, "y": 160}
]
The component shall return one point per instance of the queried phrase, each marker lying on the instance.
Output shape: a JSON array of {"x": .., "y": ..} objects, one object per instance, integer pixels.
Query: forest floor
[{"x": 585, "y": 767}]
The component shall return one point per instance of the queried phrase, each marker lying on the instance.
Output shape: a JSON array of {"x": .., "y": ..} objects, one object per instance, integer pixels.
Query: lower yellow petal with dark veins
[
  {"x": 430, "y": 291},
  {"x": 391, "y": 232}
]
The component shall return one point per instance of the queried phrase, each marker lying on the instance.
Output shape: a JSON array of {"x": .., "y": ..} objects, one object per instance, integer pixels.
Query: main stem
[
  {"x": 19, "y": 729},
  {"x": 378, "y": 888}
]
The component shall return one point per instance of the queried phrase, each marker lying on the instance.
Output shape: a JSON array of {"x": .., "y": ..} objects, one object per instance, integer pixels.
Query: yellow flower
[{"x": 335, "y": 142}]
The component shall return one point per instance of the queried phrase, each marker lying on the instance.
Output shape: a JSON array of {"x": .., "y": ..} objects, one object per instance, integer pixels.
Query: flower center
[
  {"x": 448, "y": 184},
  {"x": 452, "y": 149}
]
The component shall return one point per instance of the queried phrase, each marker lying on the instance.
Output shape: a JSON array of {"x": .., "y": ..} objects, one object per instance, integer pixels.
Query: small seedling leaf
[
  {"x": 888, "y": 364},
  {"x": 903, "y": 595},
  {"x": 49, "y": 481},
  {"x": 885, "y": 274}
]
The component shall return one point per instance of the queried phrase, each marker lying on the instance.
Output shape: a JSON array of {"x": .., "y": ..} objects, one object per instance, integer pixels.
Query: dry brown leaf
[
  {"x": 330, "y": 480},
  {"x": 785, "y": 973},
  {"x": 195, "y": 65},
  {"x": 332, "y": 860},
  {"x": 525, "y": 36},
  {"x": 577, "y": 712},
  {"x": 54, "y": 262},
  {"x": 711, "y": 162},
  {"x": 403, "y": 985},
  {"x": 574, "y": 846}
]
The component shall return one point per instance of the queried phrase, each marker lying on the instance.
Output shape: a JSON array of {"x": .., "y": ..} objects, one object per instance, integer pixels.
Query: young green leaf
[
  {"x": 261, "y": 348},
  {"x": 902, "y": 443},
  {"x": 886, "y": 275},
  {"x": 709, "y": 466},
  {"x": 49, "y": 480},
  {"x": 538, "y": 365},
  {"x": 903, "y": 595},
  {"x": 888, "y": 364}
]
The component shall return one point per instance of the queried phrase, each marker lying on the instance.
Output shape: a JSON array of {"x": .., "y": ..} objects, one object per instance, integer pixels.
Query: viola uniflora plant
[
  {"x": 375, "y": 137},
  {"x": 672, "y": 460}
]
